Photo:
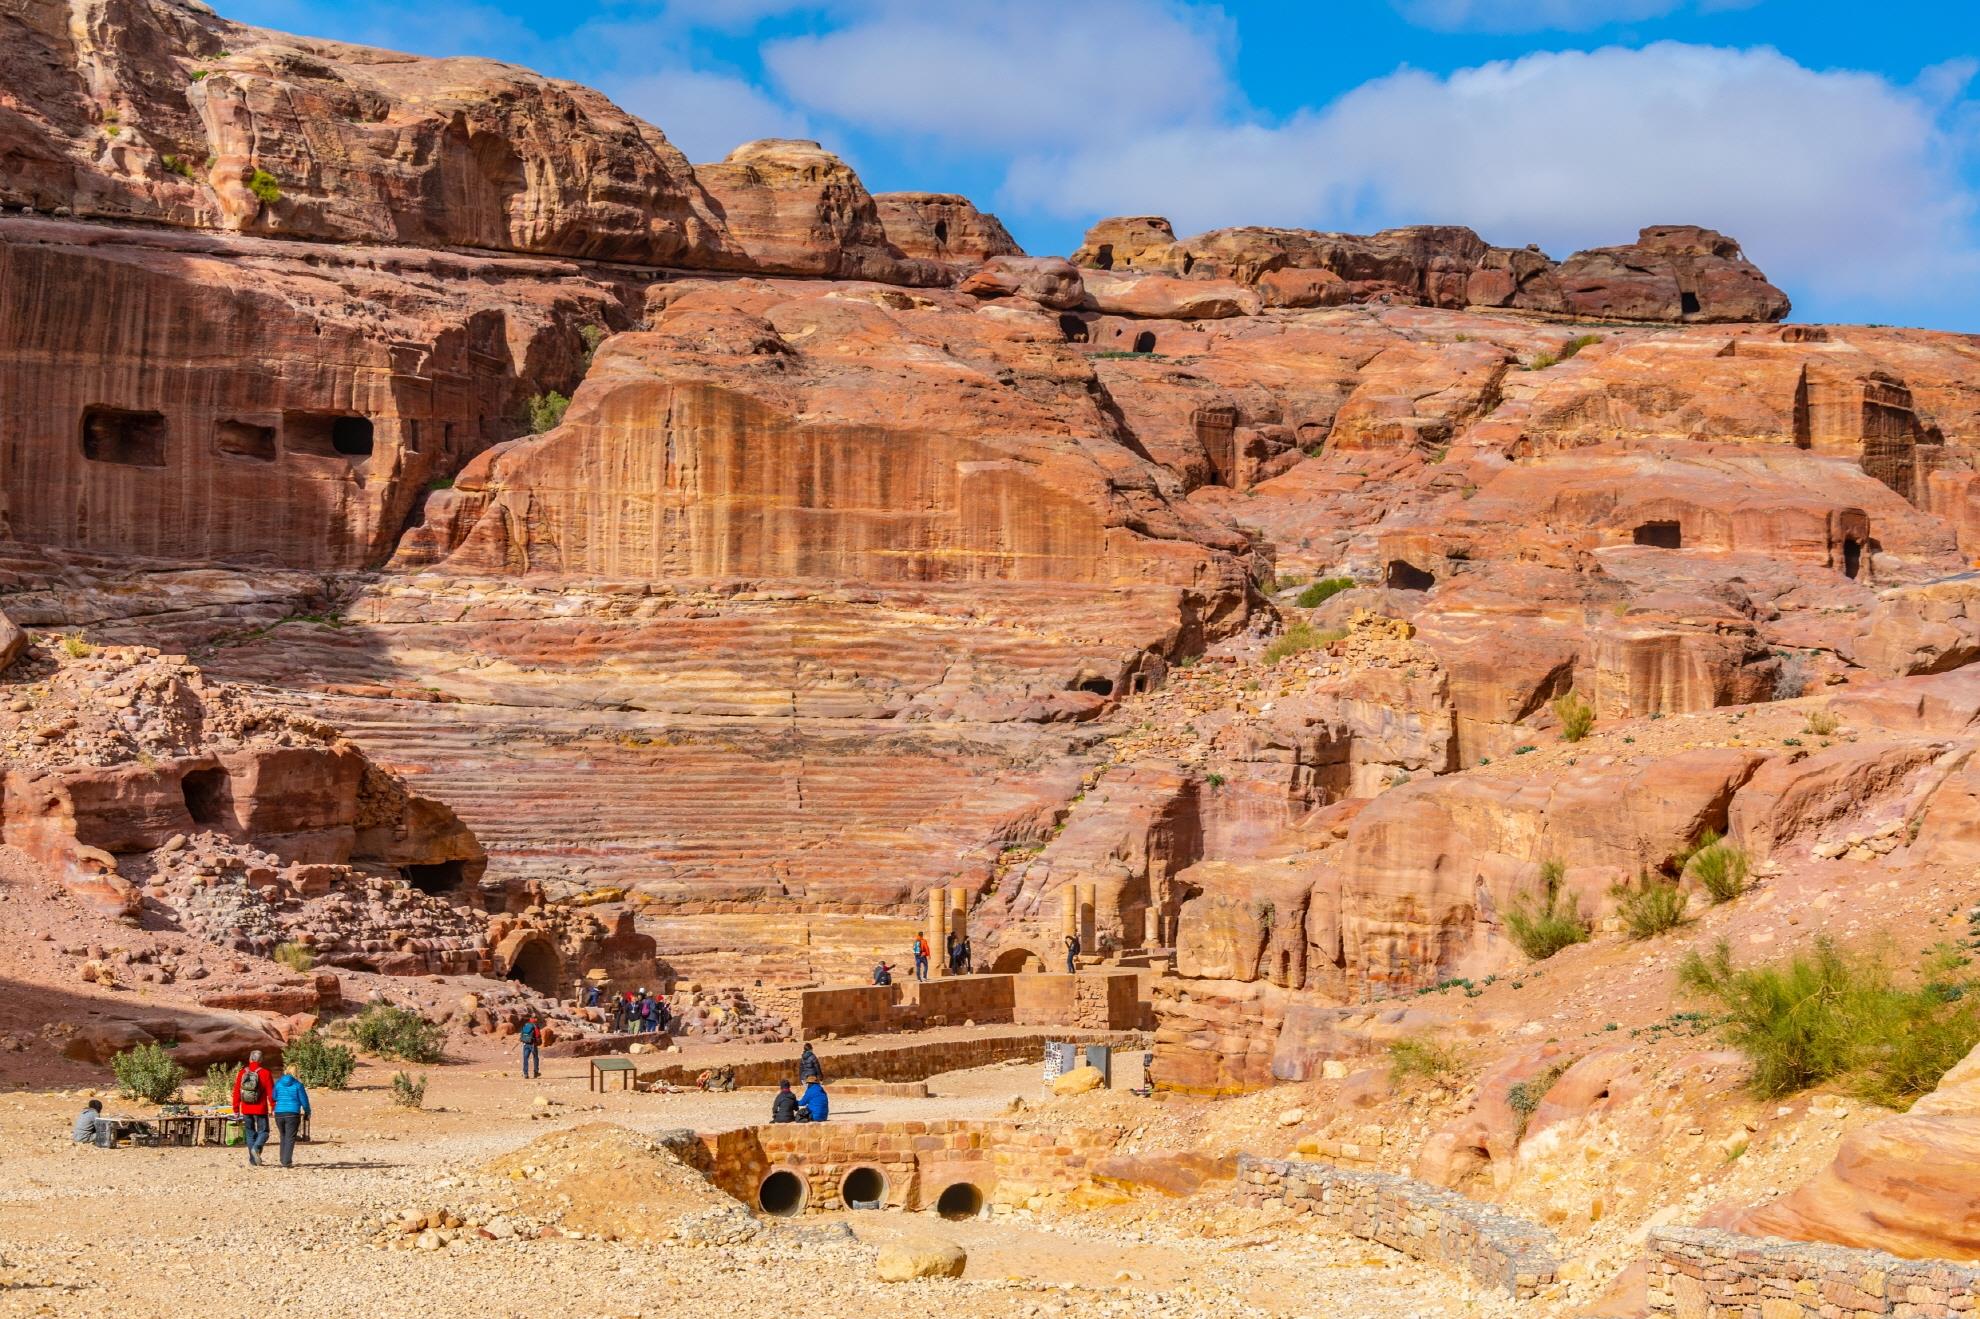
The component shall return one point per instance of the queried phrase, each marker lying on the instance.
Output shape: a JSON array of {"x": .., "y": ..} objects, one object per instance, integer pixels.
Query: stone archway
[
  {"x": 1013, "y": 961},
  {"x": 530, "y": 958}
]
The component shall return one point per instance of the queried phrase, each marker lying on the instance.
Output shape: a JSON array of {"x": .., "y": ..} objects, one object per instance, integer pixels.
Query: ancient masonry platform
[
  {"x": 956, "y": 1168},
  {"x": 904, "y": 1062},
  {"x": 1102, "y": 1000},
  {"x": 1425, "y": 1222},
  {"x": 1723, "y": 1275}
]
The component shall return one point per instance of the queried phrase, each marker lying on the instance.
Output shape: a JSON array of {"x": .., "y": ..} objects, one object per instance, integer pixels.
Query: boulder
[
  {"x": 1159, "y": 297},
  {"x": 202, "y": 1038},
  {"x": 919, "y": 1257},
  {"x": 1046, "y": 280},
  {"x": 12, "y": 642},
  {"x": 941, "y": 226},
  {"x": 1670, "y": 273},
  {"x": 1078, "y": 1081}
]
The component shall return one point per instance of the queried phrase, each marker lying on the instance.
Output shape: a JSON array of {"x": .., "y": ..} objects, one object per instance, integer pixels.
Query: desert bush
[
  {"x": 1541, "y": 361},
  {"x": 546, "y": 411},
  {"x": 218, "y": 1087},
  {"x": 1820, "y": 1015},
  {"x": 1301, "y": 637},
  {"x": 1720, "y": 867},
  {"x": 1577, "y": 716},
  {"x": 408, "y": 1093},
  {"x": 395, "y": 1032},
  {"x": 75, "y": 647},
  {"x": 1543, "y": 928},
  {"x": 147, "y": 1072},
  {"x": 1823, "y": 723},
  {"x": 264, "y": 186},
  {"x": 1324, "y": 590},
  {"x": 318, "y": 1063},
  {"x": 1524, "y": 1097},
  {"x": 1421, "y": 1058},
  {"x": 1576, "y": 344},
  {"x": 1650, "y": 906},
  {"x": 1791, "y": 679},
  {"x": 177, "y": 165},
  {"x": 294, "y": 956},
  {"x": 593, "y": 335}
]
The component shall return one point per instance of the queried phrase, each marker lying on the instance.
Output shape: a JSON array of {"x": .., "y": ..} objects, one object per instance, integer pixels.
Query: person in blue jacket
[
  {"x": 814, "y": 1103},
  {"x": 291, "y": 1107}
]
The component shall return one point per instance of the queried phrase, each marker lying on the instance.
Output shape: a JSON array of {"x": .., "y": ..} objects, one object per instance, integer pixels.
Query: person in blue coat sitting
[{"x": 813, "y": 1102}]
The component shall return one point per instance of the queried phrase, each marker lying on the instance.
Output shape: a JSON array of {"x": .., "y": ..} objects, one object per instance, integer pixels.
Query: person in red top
[{"x": 254, "y": 1099}]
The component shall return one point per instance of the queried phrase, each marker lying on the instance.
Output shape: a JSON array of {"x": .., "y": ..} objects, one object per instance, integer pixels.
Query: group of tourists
[
  {"x": 258, "y": 1096},
  {"x": 812, "y": 1105},
  {"x": 639, "y": 1011}
]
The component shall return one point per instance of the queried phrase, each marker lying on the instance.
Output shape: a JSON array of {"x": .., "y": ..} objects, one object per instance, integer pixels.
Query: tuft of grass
[
  {"x": 1821, "y": 1015},
  {"x": 178, "y": 165},
  {"x": 75, "y": 647},
  {"x": 1577, "y": 716},
  {"x": 1324, "y": 590},
  {"x": 264, "y": 186},
  {"x": 200, "y": 75},
  {"x": 1301, "y": 637},
  {"x": 1822, "y": 723},
  {"x": 1650, "y": 906},
  {"x": 1419, "y": 1057},
  {"x": 318, "y": 1063},
  {"x": 408, "y": 1093},
  {"x": 395, "y": 1032},
  {"x": 147, "y": 1072},
  {"x": 294, "y": 956},
  {"x": 1542, "y": 928},
  {"x": 1541, "y": 361},
  {"x": 440, "y": 483},
  {"x": 1791, "y": 680},
  {"x": 1720, "y": 867},
  {"x": 1576, "y": 344},
  {"x": 1524, "y": 1097},
  {"x": 546, "y": 411}
]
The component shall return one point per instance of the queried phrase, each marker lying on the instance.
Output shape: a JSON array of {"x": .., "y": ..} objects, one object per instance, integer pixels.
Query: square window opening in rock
[
  {"x": 244, "y": 439},
  {"x": 328, "y": 435},
  {"x": 122, "y": 437}
]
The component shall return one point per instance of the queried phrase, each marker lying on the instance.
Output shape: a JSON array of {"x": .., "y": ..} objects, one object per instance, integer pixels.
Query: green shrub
[
  {"x": 395, "y": 1032},
  {"x": 318, "y": 1063},
  {"x": 294, "y": 956},
  {"x": 1420, "y": 1057},
  {"x": 1720, "y": 867},
  {"x": 1541, "y": 361},
  {"x": 177, "y": 165},
  {"x": 1577, "y": 716},
  {"x": 1576, "y": 344},
  {"x": 1301, "y": 637},
  {"x": 1543, "y": 928},
  {"x": 75, "y": 647},
  {"x": 408, "y": 1093},
  {"x": 1650, "y": 906},
  {"x": 218, "y": 1087},
  {"x": 593, "y": 335},
  {"x": 1525, "y": 1097},
  {"x": 546, "y": 411},
  {"x": 263, "y": 185},
  {"x": 147, "y": 1072},
  {"x": 1324, "y": 590},
  {"x": 1820, "y": 1015}
]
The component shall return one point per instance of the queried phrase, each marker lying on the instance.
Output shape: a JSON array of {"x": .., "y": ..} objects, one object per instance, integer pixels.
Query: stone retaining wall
[
  {"x": 1700, "y": 1272},
  {"x": 903, "y": 1062},
  {"x": 1008, "y": 1165},
  {"x": 1425, "y": 1222},
  {"x": 1090, "y": 1000}
]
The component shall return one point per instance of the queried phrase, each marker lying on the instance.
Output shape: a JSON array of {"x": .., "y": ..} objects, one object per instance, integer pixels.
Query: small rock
[{"x": 904, "y": 1261}]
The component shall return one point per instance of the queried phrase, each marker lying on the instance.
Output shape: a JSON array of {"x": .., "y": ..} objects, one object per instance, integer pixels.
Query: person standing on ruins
[
  {"x": 253, "y": 1093},
  {"x": 531, "y": 1035},
  {"x": 921, "y": 957},
  {"x": 291, "y": 1107},
  {"x": 1072, "y": 953},
  {"x": 809, "y": 1068}
]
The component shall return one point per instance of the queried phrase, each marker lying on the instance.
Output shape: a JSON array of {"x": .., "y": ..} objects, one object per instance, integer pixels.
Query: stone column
[
  {"x": 959, "y": 913},
  {"x": 1068, "y": 912},
  {"x": 1152, "y": 920},
  {"x": 938, "y": 932},
  {"x": 1089, "y": 903}
]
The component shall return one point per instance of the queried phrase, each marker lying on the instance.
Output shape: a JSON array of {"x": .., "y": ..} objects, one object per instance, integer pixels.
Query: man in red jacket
[{"x": 254, "y": 1098}]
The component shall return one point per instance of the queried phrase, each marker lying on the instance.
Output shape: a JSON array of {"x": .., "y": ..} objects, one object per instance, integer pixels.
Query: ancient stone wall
[
  {"x": 1107, "y": 1000},
  {"x": 1435, "y": 1226},
  {"x": 1005, "y": 1164},
  {"x": 904, "y": 1062},
  {"x": 1720, "y": 1275}
]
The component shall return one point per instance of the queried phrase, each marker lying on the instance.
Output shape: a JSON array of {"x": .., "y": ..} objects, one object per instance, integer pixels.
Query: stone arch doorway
[
  {"x": 533, "y": 960},
  {"x": 1013, "y": 961}
]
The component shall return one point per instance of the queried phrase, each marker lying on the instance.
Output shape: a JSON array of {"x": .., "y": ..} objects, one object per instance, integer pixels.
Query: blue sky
[{"x": 1839, "y": 142}]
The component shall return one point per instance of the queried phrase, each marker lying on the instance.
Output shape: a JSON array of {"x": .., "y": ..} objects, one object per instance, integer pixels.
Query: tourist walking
[
  {"x": 291, "y": 1107},
  {"x": 1072, "y": 953},
  {"x": 921, "y": 957},
  {"x": 253, "y": 1093},
  {"x": 954, "y": 954},
  {"x": 809, "y": 1068},
  {"x": 531, "y": 1035}
]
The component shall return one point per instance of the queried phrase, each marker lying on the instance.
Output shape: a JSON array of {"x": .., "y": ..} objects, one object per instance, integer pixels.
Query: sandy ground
[{"x": 136, "y": 1233}]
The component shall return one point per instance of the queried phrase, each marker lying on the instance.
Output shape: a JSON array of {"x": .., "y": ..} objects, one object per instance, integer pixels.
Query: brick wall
[
  {"x": 1722, "y": 1275},
  {"x": 1007, "y": 1164},
  {"x": 902, "y": 1062},
  {"x": 848, "y": 1010},
  {"x": 1093, "y": 1000},
  {"x": 1425, "y": 1222}
]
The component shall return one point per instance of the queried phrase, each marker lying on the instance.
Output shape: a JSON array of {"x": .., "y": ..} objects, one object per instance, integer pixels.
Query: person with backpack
[
  {"x": 1072, "y": 953},
  {"x": 253, "y": 1094},
  {"x": 531, "y": 1035},
  {"x": 921, "y": 957},
  {"x": 291, "y": 1107},
  {"x": 809, "y": 1068}
]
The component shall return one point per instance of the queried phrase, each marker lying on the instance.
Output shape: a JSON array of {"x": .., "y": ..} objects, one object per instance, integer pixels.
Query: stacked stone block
[{"x": 1707, "y": 1274}]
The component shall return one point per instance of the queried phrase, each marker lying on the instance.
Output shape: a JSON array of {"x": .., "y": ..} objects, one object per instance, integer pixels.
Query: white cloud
[
  {"x": 1014, "y": 74},
  {"x": 707, "y": 115},
  {"x": 1538, "y": 15},
  {"x": 1836, "y": 181}
]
